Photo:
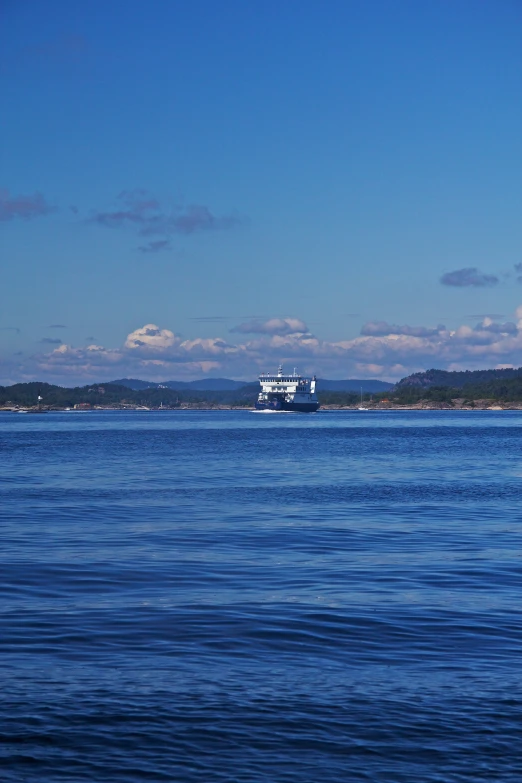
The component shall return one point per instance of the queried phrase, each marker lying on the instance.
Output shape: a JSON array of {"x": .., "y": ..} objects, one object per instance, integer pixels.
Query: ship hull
[{"x": 282, "y": 405}]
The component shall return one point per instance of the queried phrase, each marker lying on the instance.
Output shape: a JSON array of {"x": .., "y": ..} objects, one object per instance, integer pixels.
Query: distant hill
[
  {"x": 438, "y": 386},
  {"x": 456, "y": 379},
  {"x": 226, "y": 384},
  {"x": 208, "y": 384},
  {"x": 354, "y": 385},
  {"x": 134, "y": 383},
  {"x": 109, "y": 394},
  {"x": 205, "y": 384}
]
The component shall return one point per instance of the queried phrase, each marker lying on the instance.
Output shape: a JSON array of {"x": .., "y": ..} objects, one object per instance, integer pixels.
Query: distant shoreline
[{"x": 201, "y": 407}]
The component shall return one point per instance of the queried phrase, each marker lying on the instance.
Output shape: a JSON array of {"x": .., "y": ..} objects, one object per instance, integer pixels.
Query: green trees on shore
[
  {"x": 26, "y": 394},
  {"x": 488, "y": 387}
]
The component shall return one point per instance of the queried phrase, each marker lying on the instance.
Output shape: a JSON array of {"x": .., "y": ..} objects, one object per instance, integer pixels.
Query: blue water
[{"x": 232, "y": 596}]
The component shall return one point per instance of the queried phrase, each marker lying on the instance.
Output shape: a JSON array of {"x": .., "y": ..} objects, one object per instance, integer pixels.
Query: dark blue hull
[{"x": 281, "y": 405}]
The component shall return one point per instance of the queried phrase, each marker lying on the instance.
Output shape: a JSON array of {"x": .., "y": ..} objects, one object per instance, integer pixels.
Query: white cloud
[
  {"x": 213, "y": 346},
  {"x": 272, "y": 326},
  {"x": 381, "y": 329},
  {"x": 150, "y": 337}
]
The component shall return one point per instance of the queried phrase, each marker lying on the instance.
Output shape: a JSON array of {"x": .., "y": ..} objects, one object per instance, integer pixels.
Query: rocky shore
[{"x": 423, "y": 405}]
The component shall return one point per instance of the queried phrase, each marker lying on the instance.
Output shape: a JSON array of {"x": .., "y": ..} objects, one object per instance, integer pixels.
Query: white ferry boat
[{"x": 287, "y": 393}]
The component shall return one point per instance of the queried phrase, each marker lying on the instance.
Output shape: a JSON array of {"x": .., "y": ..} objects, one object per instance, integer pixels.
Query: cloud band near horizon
[{"x": 382, "y": 350}]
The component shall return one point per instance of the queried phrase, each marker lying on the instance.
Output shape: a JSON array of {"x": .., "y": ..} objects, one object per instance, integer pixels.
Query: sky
[{"x": 206, "y": 189}]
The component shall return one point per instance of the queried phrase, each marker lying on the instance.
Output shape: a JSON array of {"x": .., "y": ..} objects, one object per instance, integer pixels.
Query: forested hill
[
  {"x": 457, "y": 379},
  {"x": 370, "y": 385},
  {"x": 204, "y": 384},
  {"x": 109, "y": 394}
]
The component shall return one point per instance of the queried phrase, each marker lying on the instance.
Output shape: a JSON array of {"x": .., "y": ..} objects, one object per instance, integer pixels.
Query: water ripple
[{"x": 228, "y": 597}]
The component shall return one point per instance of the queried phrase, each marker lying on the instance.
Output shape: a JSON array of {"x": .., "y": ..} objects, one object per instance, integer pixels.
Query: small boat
[{"x": 361, "y": 406}]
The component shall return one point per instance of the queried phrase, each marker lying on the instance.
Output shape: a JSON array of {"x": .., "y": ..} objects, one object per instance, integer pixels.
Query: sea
[{"x": 231, "y": 596}]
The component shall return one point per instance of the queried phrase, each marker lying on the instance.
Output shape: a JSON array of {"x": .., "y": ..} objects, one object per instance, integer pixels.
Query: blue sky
[{"x": 208, "y": 188}]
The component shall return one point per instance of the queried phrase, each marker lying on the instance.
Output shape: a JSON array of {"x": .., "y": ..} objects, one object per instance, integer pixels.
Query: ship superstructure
[{"x": 284, "y": 392}]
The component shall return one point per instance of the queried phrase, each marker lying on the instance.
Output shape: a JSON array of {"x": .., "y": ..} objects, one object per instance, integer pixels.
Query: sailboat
[{"x": 361, "y": 406}]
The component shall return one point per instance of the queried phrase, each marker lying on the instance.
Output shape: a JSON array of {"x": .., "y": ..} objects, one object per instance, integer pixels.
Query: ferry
[{"x": 287, "y": 393}]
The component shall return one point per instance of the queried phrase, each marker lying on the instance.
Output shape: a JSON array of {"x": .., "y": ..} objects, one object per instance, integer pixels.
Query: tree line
[
  {"x": 26, "y": 394},
  {"x": 504, "y": 389}
]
